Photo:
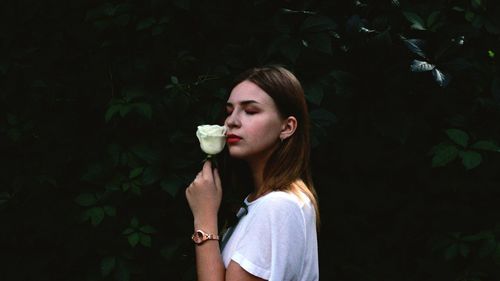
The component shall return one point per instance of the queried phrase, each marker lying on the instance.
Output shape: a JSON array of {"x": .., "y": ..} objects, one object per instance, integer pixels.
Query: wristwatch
[{"x": 201, "y": 236}]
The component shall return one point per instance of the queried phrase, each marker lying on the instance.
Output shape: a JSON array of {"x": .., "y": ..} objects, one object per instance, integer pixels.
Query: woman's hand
[{"x": 204, "y": 196}]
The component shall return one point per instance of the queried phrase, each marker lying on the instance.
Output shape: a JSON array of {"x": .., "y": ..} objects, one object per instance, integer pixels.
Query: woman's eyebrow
[{"x": 243, "y": 103}]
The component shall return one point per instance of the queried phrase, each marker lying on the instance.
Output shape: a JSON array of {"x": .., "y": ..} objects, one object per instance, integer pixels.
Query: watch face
[{"x": 198, "y": 237}]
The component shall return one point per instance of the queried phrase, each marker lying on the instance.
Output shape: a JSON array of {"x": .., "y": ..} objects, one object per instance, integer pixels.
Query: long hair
[{"x": 288, "y": 167}]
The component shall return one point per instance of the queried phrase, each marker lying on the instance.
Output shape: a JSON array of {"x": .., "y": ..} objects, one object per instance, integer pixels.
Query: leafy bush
[{"x": 100, "y": 102}]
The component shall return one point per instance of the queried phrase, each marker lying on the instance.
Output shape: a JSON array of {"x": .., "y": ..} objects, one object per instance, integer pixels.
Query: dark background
[{"x": 99, "y": 103}]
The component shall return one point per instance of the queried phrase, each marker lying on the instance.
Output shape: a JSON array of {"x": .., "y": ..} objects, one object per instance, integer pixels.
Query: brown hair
[{"x": 288, "y": 168}]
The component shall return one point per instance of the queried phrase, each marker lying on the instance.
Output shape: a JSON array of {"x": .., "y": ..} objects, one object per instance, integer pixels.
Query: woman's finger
[
  {"x": 206, "y": 172},
  {"x": 218, "y": 183}
]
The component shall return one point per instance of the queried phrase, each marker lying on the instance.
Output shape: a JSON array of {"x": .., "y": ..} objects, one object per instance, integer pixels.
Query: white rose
[{"x": 212, "y": 138}]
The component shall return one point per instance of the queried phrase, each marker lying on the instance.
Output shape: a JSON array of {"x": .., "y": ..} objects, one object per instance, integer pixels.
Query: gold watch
[{"x": 201, "y": 236}]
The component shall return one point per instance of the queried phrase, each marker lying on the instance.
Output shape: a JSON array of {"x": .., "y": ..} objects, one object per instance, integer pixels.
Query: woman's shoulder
[
  {"x": 284, "y": 199},
  {"x": 280, "y": 209}
]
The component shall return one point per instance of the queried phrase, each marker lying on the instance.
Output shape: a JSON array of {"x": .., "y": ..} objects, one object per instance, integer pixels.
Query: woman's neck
[
  {"x": 257, "y": 176},
  {"x": 257, "y": 166}
]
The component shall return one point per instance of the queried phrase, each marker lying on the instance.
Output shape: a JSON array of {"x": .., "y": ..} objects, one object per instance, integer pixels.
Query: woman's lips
[{"x": 233, "y": 139}]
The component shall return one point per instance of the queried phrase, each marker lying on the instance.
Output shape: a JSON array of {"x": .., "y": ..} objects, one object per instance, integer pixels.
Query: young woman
[{"x": 276, "y": 236}]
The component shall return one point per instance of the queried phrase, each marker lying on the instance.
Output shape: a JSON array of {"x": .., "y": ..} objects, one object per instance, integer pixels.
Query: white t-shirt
[{"x": 277, "y": 239}]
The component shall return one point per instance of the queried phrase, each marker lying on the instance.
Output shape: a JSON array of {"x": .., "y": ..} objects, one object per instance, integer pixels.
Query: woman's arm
[
  {"x": 209, "y": 265},
  {"x": 204, "y": 195}
]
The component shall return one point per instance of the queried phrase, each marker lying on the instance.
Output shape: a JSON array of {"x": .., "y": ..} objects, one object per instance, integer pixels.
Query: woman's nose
[{"x": 232, "y": 121}]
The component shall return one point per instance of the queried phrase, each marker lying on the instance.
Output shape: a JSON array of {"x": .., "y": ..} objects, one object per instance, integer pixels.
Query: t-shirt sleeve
[{"x": 273, "y": 245}]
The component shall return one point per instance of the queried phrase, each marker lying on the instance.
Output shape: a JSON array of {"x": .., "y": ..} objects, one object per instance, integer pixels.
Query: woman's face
[{"x": 253, "y": 121}]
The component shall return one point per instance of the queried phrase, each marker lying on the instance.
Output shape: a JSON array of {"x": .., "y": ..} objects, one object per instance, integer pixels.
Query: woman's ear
[{"x": 288, "y": 128}]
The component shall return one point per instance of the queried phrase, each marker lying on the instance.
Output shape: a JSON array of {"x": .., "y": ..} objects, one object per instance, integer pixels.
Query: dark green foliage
[{"x": 99, "y": 103}]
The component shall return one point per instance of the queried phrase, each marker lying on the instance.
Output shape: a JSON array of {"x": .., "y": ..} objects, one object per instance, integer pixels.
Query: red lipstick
[{"x": 232, "y": 138}]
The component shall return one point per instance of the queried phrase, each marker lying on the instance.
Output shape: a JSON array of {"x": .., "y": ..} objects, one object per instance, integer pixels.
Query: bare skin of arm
[{"x": 204, "y": 196}]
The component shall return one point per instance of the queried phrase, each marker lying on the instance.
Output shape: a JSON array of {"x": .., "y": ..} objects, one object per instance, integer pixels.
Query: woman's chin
[{"x": 237, "y": 154}]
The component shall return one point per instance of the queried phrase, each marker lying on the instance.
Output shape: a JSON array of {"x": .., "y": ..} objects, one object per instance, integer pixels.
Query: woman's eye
[{"x": 250, "y": 112}]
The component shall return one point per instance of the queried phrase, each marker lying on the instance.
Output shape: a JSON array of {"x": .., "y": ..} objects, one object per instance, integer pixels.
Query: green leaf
[
  {"x": 125, "y": 109},
  {"x": 451, "y": 252},
  {"x": 416, "y": 46},
  {"x": 145, "y": 23},
  {"x": 151, "y": 175},
  {"x": 134, "y": 222},
  {"x": 291, "y": 49},
  {"x": 471, "y": 159},
  {"x": 110, "y": 211},
  {"x": 479, "y": 236},
  {"x": 157, "y": 29},
  {"x": 458, "y": 136},
  {"x": 432, "y": 18},
  {"x": 135, "y": 188},
  {"x": 102, "y": 24},
  {"x": 317, "y": 23},
  {"x": 277, "y": 44},
  {"x": 487, "y": 248},
  {"x": 4, "y": 197},
  {"x": 183, "y": 4},
  {"x": 174, "y": 80},
  {"x": 320, "y": 42},
  {"x": 145, "y": 240},
  {"x": 314, "y": 93},
  {"x": 107, "y": 265},
  {"x": 422, "y": 66},
  {"x": 14, "y": 134},
  {"x": 441, "y": 78},
  {"x": 122, "y": 8},
  {"x": 121, "y": 20},
  {"x": 148, "y": 229},
  {"x": 444, "y": 155},
  {"x": 486, "y": 145},
  {"x": 171, "y": 185},
  {"x": 101, "y": 11},
  {"x": 93, "y": 172},
  {"x": 112, "y": 110},
  {"x": 476, "y": 4},
  {"x": 296, "y": 12},
  {"x": 416, "y": 20},
  {"x": 39, "y": 84},
  {"x": 132, "y": 93},
  {"x": 133, "y": 239},
  {"x": 125, "y": 186},
  {"x": 323, "y": 117},
  {"x": 86, "y": 199},
  {"x": 464, "y": 250},
  {"x": 127, "y": 231},
  {"x": 496, "y": 254},
  {"x": 136, "y": 172},
  {"x": 12, "y": 119},
  {"x": 122, "y": 272},
  {"x": 96, "y": 215},
  {"x": 144, "y": 109},
  {"x": 124, "y": 158},
  {"x": 112, "y": 186},
  {"x": 163, "y": 20},
  {"x": 343, "y": 81},
  {"x": 469, "y": 16},
  {"x": 145, "y": 153},
  {"x": 3, "y": 68}
]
